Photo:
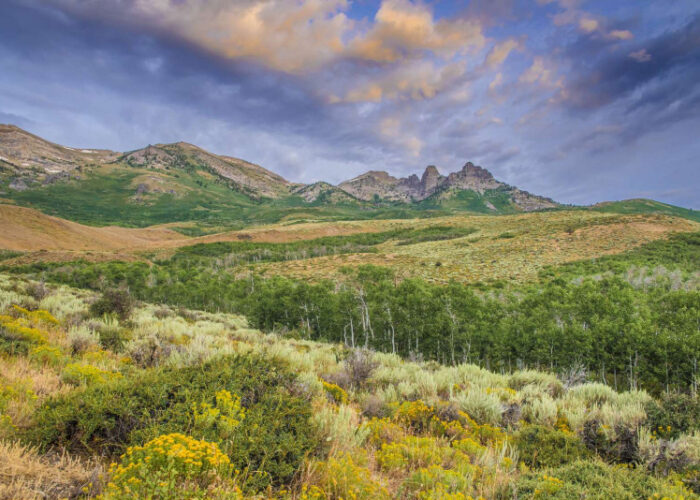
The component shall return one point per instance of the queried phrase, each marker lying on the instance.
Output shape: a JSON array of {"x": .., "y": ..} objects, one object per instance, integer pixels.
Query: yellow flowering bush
[
  {"x": 336, "y": 392},
  {"x": 46, "y": 355},
  {"x": 469, "y": 447},
  {"x": 38, "y": 316},
  {"x": 171, "y": 466},
  {"x": 547, "y": 486},
  {"x": 20, "y": 329},
  {"x": 435, "y": 482},
  {"x": 383, "y": 430},
  {"x": 79, "y": 374},
  {"x": 224, "y": 416},
  {"x": 343, "y": 477},
  {"x": 414, "y": 452},
  {"x": 415, "y": 415}
]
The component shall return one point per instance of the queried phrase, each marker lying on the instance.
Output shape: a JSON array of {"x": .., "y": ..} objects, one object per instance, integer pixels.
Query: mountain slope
[
  {"x": 31, "y": 159},
  {"x": 181, "y": 182},
  {"x": 241, "y": 175},
  {"x": 376, "y": 185}
]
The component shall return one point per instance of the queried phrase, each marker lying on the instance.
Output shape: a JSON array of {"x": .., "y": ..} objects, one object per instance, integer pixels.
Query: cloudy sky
[{"x": 579, "y": 100}]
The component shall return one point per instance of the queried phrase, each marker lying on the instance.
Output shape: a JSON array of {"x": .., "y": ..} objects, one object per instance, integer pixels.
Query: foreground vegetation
[
  {"x": 152, "y": 401},
  {"x": 629, "y": 321}
]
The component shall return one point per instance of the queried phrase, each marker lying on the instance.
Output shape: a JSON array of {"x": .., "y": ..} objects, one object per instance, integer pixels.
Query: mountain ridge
[
  {"x": 33, "y": 159},
  {"x": 179, "y": 182}
]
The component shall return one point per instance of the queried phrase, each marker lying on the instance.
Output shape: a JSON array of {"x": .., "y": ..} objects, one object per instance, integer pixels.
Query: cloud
[
  {"x": 404, "y": 29},
  {"x": 540, "y": 72},
  {"x": 416, "y": 81},
  {"x": 391, "y": 128},
  {"x": 501, "y": 50},
  {"x": 294, "y": 36},
  {"x": 670, "y": 59},
  {"x": 641, "y": 55},
  {"x": 290, "y": 36},
  {"x": 621, "y": 34},
  {"x": 588, "y": 25}
]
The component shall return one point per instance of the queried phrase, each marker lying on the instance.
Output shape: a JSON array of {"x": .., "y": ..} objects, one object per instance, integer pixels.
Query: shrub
[
  {"x": 223, "y": 417},
  {"x": 673, "y": 414},
  {"x": 359, "y": 366},
  {"x": 172, "y": 466},
  {"x": 412, "y": 453},
  {"x": 106, "y": 418},
  {"x": 150, "y": 350},
  {"x": 47, "y": 355},
  {"x": 384, "y": 431},
  {"x": 80, "y": 374},
  {"x": 540, "y": 446},
  {"x": 82, "y": 339},
  {"x": 114, "y": 301},
  {"x": 434, "y": 482},
  {"x": 596, "y": 480},
  {"x": 18, "y": 336},
  {"x": 37, "y": 290},
  {"x": 339, "y": 427},
  {"x": 336, "y": 393},
  {"x": 112, "y": 336},
  {"x": 483, "y": 407},
  {"x": 415, "y": 415},
  {"x": 343, "y": 477},
  {"x": 546, "y": 382}
]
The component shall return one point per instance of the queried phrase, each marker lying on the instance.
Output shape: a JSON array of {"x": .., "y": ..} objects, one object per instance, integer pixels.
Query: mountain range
[{"x": 182, "y": 182}]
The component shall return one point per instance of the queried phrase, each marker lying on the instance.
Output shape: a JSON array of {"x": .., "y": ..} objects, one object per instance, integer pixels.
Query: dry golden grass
[
  {"x": 25, "y": 229},
  {"x": 31, "y": 383},
  {"x": 26, "y": 475},
  {"x": 43, "y": 380},
  {"x": 534, "y": 241},
  {"x": 512, "y": 247}
]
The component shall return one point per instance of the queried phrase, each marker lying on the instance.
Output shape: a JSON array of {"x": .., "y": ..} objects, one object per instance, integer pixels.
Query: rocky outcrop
[
  {"x": 33, "y": 157},
  {"x": 378, "y": 184}
]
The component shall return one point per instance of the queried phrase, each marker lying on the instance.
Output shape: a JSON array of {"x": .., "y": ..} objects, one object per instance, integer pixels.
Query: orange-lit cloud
[
  {"x": 500, "y": 52},
  {"x": 416, "y": 81},
  {"x": 403, "y": 29}
]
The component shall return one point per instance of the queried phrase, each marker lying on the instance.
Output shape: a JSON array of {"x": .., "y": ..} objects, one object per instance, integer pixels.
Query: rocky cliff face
[{"x": 375, "y": 184}]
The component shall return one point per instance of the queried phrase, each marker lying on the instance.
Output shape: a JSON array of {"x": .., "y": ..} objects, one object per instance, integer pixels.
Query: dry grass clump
[
  {"x": 26, "y": 475},
  {"x": 44, "y": 380}
]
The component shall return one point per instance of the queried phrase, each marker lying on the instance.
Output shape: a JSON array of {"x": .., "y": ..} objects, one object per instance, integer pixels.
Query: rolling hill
[{"x": 206, "y": 193}]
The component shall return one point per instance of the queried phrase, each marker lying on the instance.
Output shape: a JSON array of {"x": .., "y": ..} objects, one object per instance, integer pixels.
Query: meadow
[
  {"x": 544, "y": 355},
  {"x": 154, "y": 401}
]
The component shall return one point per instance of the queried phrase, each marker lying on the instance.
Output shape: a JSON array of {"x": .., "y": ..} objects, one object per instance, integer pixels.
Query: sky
[{"x": 582, "y": 101}]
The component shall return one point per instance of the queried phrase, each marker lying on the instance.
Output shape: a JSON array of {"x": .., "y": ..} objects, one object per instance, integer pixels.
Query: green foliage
[
  {"x": 113, "y": 336},
  {"x": 642, "y": 206},
  {"x": 597, "y": 481},
  {"x": 626, "y": 334},
  {"x": 541, "y": 446},
  {"x": 222, "y": 417},
  {"x": 113, "y": 301},
  {"x": 680, "y": 251},
  {"x": 674, "y": 413},
  {"x": 83, "y": 374},
  {"x": 269, "y": 444}
]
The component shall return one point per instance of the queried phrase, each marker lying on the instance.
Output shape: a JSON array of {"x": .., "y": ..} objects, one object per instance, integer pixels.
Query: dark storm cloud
[{"x": 674, "y": 55}]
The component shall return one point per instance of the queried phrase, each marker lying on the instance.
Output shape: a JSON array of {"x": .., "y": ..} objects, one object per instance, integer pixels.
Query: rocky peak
[
  {"x": 472, "y": 170},
  {"x": 430, "y": 180}
]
